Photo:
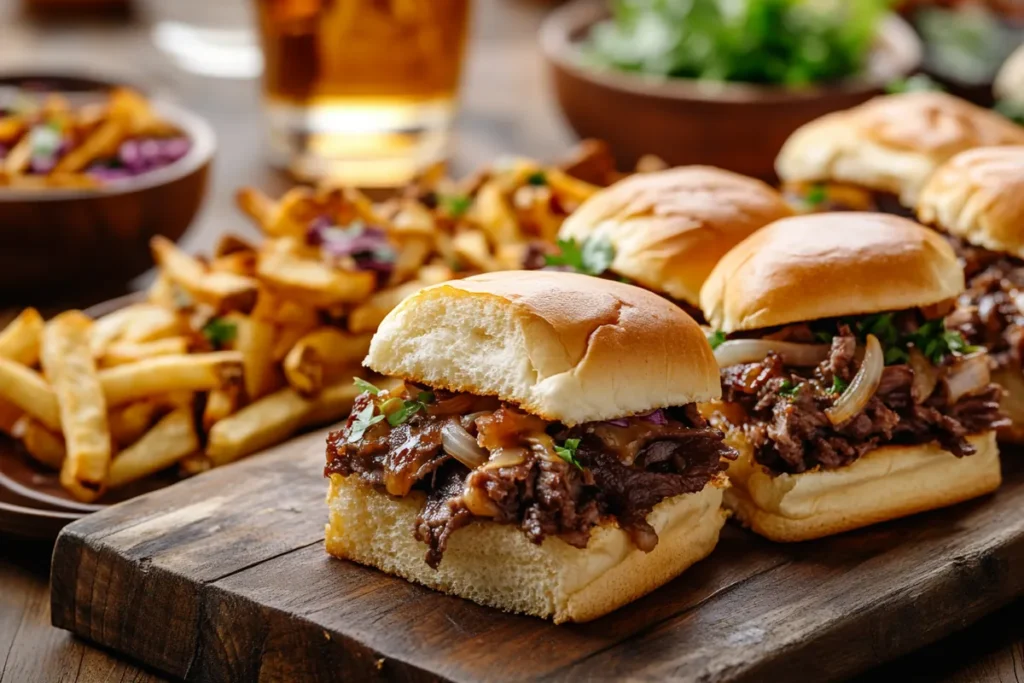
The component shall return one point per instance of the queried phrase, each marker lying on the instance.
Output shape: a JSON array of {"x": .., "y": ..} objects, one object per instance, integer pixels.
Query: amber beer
[{"x": 361, "y": 91}]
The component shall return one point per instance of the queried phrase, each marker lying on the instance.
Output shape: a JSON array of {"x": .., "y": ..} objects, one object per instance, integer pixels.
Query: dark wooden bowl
[
  {"x": 731, "y": 125},
  {"x": 51, "y": 240}
]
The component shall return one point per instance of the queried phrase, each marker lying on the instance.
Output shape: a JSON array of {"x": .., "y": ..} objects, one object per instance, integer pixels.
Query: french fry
[
  {"x": 9, "y": 416},
  {"x": 19, "y": 341},
  {"x": 491, "y": 212},
  {"x": 129, "y": 422},
  {"x": 257, "y": 206},
  {"x": 471, "y": 247},
  {"x": 162, "y": 374},
  {"x": 26, "y": 389},
  {"x": 232, "y": 244},
  {"x": 367, "y": 316},
  {"x": 162, "y": 292},
  {"x": 135, "y": 323},
  {"x": 103, "y": 141},
  {"x": 220, "y": 403},
  {"x": 224, "y": 291},
  {"x": 332, "y": 404},
  {"x": 287, "y": 337},
  {"x": 315, "y": 357},
  {"x": 170, "y": 440},
  {"x": 69, "y": 366},
  {"x": 268, "y": 421},
  {"x": 311, "y": 282},
  {"x": 412, "y": 254},
  {"x": 194, "y": 464},
  {"x": 239, "y": 262},
  {"x": 44, "y": 446},
  {"x": 273, "y": 308},
  {"x": 255, "y": 341},
  {"x": 119, "y": 353}
]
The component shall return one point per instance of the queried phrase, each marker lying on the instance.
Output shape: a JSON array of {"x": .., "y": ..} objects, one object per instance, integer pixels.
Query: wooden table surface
[{"x": 506, "y": 108}]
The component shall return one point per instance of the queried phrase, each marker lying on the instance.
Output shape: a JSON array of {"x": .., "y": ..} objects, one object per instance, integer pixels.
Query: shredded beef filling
[
  {"x": 616, "y": 470},
  {"x": 790, "y": 431},
  {"x": 990, "y": 312},
  {"x": 824, "y": 197}
]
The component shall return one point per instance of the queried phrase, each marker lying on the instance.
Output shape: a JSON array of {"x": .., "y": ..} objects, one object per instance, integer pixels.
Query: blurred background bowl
[
  {"x": 51, "y": 240},
  {"x": 687, "y": 121}
]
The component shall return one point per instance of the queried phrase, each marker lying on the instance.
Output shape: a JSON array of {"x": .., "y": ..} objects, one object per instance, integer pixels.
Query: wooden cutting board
[{"x": 224, "y": 578}]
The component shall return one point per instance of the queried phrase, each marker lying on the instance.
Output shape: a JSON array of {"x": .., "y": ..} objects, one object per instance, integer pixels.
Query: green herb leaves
[
  {"x": 593, "y": 257},
  {"x": 567, "y": 452},
  {"x": 838, "y": 385},
  {"x": 932, "y": 339},
  {"x": 537, "y": 179},
  {"x": 456, "y": 205},
  {"x": 789, "y": 390},
  {"x": 364, "y": 420},
  {"x": 408, "y": 408},
  {"x": 716, "y": 339},
  {"x": 816, "y": 195},
  {"x": 363, "y": 385},
  {"x": 220, "y": 332}
]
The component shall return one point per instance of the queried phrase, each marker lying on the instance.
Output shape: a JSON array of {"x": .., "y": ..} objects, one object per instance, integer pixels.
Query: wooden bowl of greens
[{"x": 678, "y": 79}]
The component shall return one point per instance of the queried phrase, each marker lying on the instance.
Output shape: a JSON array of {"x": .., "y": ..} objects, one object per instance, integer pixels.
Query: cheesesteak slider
[
  {"x": 667, "y": 229},
  {"x": 848, "y": 400},
  {"x": 544, "y": 454},
  {"x": 977, "y": 198},
  {"x": 877, "y": 156}
]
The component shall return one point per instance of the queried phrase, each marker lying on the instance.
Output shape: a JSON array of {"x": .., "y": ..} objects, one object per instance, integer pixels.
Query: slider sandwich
[
  {"x": 544, "y": 454},
  {"x": 666, "y": 230},
  {"x": 877, "y": 156},
  {"x": 847, "y": 399},
  {"x": 977, "y": 198}
]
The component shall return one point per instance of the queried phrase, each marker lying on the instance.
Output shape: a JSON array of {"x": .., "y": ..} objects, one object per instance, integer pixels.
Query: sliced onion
[
  {"x": 543, "y": 445},
  {"x": 863, "y": 386},
  {"x": 753, "y": 350},
  {"x": 926, "y": 376},
  {"x": 968, "y": 376},
  {"x": 476, "y": 501},
  {"x": 461, "y": 445},
  {"x": 451, "y": 406},
  {"x": 506, "y": 457}
]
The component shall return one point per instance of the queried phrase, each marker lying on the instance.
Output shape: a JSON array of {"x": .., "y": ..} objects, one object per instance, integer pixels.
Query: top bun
[
  {"x": 979, "y": 196},
  {"x": 566, "y": 347},
  {"x": 669, "y": 228},
  {"x": 891, "y": 143},
  {"x": 1009, "y": 83},
  {"x": 827, "y": 265}
]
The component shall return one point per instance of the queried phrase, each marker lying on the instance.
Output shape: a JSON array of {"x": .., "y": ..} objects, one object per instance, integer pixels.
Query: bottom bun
[
  {"x": 496, "y": 565},
  {"x": 887, "y": 483},
  {"x": 1012, "y": 380}
]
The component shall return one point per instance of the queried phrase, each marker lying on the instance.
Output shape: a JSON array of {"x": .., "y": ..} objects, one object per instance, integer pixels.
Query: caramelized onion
[
  {"x": 461, "y": 445},
  {"x": 968, "y": 376},
  {"x": 456, "y": 405},
  {"x": 753, "y": 350},
  {"x": 863, "y": 386},
  {"x": 926, "y": 376},
  {"x": 506, "y": 457},
  {"x": 543, "y": 445}
]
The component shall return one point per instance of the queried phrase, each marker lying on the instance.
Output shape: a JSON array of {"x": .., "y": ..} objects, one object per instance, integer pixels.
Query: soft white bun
[
  {"x": 495, "y": 564},
  {"x": 564, "y": 346},
  {"x": 978, "y": 196},
  {"x": 830, "y": 264},
  {"x": 669, "y": 228},
  {"x": 887, "y": 483},
  {"x": 1009, "y": 83},
  {"x": 891, "y": 143}
]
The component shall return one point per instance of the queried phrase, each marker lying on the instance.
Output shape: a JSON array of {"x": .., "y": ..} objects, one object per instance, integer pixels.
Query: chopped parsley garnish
[
  {"x": 364, "y": 420},
  {"x": 363, "y": 385},
  {"x": 716, "y": 339},
  {"x": 410, "y": 408},
  {"x": 839, "y": 384},
  {"x": 881, "y": 326},
  {"x": 932, "y": 339},
  {"x": 537, "y": 178},
  {"x": 593, "y": 257},
  {"x": 816, "y": 195},
  {"x": 567, "y": 452},
  {"x": 894, "y": 355},
  {"x": 220, "y": 332},
  {"x": 45, "y": 140},
  {"x": 788, "y": 389},
  {"x": 455, "y": 204}
]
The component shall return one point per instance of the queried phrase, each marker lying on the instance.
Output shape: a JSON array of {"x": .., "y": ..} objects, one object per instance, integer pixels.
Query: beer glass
[{"x": 360, "y": 92}]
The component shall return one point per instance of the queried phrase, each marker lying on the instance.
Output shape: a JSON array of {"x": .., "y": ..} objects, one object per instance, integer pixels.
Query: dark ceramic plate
[{"x": 53, "y": 239}]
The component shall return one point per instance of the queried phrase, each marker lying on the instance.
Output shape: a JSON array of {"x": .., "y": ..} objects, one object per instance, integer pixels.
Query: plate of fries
[
  {"x": 226, "y": 356},
  {"x": 89, "y": 171}
]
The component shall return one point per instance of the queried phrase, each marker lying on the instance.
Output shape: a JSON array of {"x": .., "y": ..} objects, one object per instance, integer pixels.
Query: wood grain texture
[{"x": 224, "y": 578}]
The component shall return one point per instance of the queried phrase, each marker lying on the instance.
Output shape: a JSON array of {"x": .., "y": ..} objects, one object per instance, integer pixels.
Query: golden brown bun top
[
  {"x": 826, "y": 265},
  {"x": 567, "y": 347},
  {"x": 669, "y": 228},
  {"x": 979, "y": 196},
  {"x": 891, "y": 143}
]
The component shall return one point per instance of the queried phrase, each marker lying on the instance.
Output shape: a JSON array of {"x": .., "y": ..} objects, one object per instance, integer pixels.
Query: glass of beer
[{"x": 361, "y": 92}]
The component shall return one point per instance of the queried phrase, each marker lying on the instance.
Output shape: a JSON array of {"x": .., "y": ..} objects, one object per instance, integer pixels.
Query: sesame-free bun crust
[
  {"x": 887, "y": 483},
  {"x": 566, "y": 347},
  {"x": 495, "y": 564},
  {"x": 891, "y": 143},
  {"x": 824, "y": 265},
  {"x": 979, "y": 196},
  {"x": 669, "y": 228}
]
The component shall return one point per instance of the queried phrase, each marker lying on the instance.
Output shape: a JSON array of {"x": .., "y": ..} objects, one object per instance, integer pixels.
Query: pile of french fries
[
  {"x": 46, "y": 143},
  {"x": 230, "y": 355}
]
